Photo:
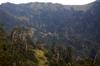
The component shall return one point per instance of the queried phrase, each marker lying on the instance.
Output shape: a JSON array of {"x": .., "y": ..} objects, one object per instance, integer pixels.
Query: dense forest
[
  {"x": 46, "y": 34},
  {"x": 17, "y": 49}
]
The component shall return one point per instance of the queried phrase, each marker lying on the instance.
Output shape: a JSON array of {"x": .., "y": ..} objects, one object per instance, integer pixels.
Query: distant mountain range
[{"x": 71, "y": 25}]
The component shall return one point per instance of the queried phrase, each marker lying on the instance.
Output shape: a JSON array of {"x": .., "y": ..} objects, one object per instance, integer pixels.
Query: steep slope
[{"x": 55, "y": 23}]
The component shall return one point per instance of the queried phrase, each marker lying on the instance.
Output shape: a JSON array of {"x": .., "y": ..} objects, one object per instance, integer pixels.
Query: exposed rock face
[{"x": 21, "y": 36}]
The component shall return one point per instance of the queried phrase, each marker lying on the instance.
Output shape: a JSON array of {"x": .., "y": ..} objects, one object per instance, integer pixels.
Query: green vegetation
[
  {"x": 16, "y": 49},
  {"x": 60, "y": 35}
]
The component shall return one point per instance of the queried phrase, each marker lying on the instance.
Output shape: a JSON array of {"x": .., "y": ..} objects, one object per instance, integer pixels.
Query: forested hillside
[
  {"x": 46, "y": 34},
  {"x": 18, "y": 49}
]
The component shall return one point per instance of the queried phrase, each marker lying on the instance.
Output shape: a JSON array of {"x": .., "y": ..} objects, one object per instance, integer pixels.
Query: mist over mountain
[
  {"x": 63, "y": 24},
  {"x": 98, "y": 0}
]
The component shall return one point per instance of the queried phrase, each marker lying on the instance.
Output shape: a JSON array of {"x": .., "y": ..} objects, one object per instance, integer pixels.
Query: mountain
[
  {"x": 75, "y": 26},
  {"x": 98, "y": 0}
]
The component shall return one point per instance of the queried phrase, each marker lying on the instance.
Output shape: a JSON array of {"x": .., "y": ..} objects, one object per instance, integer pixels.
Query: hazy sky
[{"x": 65, "y": 2}]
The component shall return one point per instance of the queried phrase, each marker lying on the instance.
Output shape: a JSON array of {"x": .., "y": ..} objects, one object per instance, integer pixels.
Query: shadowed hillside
[{"x": 46, "y": 34}]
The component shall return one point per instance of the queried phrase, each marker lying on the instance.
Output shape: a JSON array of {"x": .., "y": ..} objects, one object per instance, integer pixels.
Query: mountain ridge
[
  {"x": 79, "y": 7},
  {"x": 55, "y": 22}
]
